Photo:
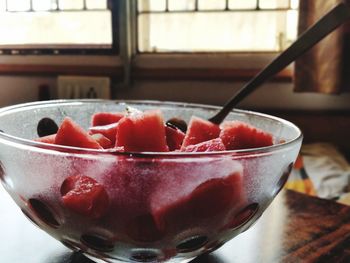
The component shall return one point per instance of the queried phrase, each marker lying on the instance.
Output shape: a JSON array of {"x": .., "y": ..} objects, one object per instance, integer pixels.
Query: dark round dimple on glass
[
  {"x": 46, "y": 126},
  {"x": 71, "y": 245},
  {"x": 144, "y": 256},
  {"x": 43, "y": 212},
  {"x": 177, "y": 123},
  {"x": 212, "y": 247},
  {"x": 244, "y": 216},
  {"x": 97, "y": 242},
  {"x": 2, "y": 172},
  {"x": 27, "y": 215},
  {"x": 191, "y": 244},
  {"x": 281, "y": 182}
]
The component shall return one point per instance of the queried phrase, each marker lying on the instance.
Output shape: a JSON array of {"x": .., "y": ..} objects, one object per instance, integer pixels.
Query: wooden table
[{"x": 295, "y": 228}]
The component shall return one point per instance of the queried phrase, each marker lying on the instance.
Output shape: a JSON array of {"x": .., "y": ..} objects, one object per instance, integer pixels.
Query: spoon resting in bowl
[{"x": 327, "y": 24}]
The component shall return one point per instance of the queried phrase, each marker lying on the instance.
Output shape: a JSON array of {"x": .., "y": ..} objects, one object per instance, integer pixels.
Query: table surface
[{"x": 295, "y": 228}]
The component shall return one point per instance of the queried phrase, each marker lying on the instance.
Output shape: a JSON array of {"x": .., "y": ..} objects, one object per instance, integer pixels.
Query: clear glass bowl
[{"x": 159, "y": 206}]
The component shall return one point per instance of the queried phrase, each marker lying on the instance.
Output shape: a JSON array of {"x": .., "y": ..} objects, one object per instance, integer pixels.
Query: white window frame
[{"x": 132, "y": 59}]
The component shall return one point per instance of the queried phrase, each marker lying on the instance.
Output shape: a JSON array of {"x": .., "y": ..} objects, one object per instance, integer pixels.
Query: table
[{"x": 295, "y": 228}]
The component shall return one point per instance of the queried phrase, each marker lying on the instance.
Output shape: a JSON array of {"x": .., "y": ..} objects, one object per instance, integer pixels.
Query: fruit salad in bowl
[{"x": 142, "y": 181}]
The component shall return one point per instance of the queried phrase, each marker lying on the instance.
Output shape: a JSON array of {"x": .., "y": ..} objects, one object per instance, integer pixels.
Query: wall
[
  {"x": 15, "y": 90},
  {"x": 269, "y": 96}
]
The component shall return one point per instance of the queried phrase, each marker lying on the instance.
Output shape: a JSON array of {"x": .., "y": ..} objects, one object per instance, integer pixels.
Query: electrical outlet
[{"x": 79, "y": 87}]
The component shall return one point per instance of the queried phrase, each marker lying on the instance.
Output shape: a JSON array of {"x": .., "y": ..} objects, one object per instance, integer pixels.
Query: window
[
  {"x": 58, "y": 27},
  {"x": 166, "y": 26},
  {"x": 148, "y": 38}
]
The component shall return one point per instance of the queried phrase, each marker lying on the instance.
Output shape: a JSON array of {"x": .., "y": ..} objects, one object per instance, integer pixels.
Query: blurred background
[{"x": 179, "y": 50}]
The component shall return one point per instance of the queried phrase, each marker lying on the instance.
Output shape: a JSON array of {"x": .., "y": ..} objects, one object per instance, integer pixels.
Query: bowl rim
[{"x": 69, "y": 149}]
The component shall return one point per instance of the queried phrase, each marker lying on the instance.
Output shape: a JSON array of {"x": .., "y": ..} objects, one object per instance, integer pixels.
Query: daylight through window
[
  {"x": 216, "y": 25},
  {"x": 55, "y": 25}
]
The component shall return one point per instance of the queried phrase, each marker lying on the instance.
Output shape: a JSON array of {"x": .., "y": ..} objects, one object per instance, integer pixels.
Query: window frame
[
  {"x": 128, "y": 64},
  {"x": 197, "y": 66}
]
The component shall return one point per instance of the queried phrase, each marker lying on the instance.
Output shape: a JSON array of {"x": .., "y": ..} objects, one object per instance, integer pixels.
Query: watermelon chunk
[
  {"x": 174, "y": 138},
  {"x": 85, "y": 196},
  {"x": 71, "y": 134},
  {"x": 143, "y": 229},
  {"x": 239, "y": 135},
  {"x": 213, "y": 145},
  {"x": 105, "y": 118},
  {"x": 144, "y": 132},
  {"x": 200, "y": 130},
  {"x": 47, "y": 139},
  {"x": 102, "y": 140},
  {"x": 109, "y": 131},
  {"x": 214, "y": 197}
]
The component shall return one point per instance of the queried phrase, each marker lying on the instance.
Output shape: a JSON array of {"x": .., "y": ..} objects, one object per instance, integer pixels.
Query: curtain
[{"x": 326, "y": 67}]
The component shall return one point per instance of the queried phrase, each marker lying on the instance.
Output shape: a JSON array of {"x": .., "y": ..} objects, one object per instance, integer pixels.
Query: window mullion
[{"x": 127, "y": 37}]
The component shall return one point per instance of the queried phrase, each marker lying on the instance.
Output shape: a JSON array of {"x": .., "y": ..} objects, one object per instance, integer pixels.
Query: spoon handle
[{"x": 329, "y": 22}]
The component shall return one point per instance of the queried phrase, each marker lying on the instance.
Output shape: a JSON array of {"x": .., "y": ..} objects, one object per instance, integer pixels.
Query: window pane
[
  {"x": 216, "y": 31},
  {"x": 2, "y": 5},
  {"x": 292, "y": 22},
  {"x": 182, "y": 4},
  {"x": 151, "y": 5},
  {"x": 18, "y": 5},
  {"x": 44, "y": 5},
  {"x": 294, "y": 4},
  {"x": 211, "y": 4},
  {"x": 243, "y": 4},
  {"x": 266, "y": 4},
  {"x": 46, "y": 29},
  {"x": 71, "y": 4},
  {"x": 96, "y": 4}
]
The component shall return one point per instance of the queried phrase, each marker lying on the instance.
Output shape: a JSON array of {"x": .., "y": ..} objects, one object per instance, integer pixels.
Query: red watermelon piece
[
  {"x": 47, "y": 139},
  {"x": 102, "y": 140},
  {"x": 214, "y": 145},
  {"x": 174, "y": 138},
  {"x": 109, "y": 131},
  {"x": 144, "y": 132},
  {"x": 105, "y": 118},
  {"x": 212, "y": 198},
  {"x": 239, "y": 135},
  {"x": 200, "y": 130},
  {"x": 143, "y": 229},
  {"x": 85, "y": 196},
  {"x": 71, "y": 134}
]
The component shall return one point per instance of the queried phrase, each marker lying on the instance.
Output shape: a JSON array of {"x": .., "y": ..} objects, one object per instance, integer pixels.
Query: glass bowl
[{"x": 157, "y": 207}]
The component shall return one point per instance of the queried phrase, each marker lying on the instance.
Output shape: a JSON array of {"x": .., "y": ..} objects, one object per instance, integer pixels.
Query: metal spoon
[{"x": 329, "y": 22}]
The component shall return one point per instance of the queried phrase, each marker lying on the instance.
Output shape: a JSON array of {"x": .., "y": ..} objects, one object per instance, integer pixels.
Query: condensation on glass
[
  {"x": 216, "y": 25},
  {"x": 55, "y": 24}
]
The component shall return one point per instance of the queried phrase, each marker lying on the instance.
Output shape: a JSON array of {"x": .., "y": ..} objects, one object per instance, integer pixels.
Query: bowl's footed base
[{"x": 98, "y": 260}]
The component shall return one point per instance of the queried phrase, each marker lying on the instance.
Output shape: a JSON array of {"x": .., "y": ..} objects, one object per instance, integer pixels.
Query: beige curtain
[{"x": 325, "y": 68}]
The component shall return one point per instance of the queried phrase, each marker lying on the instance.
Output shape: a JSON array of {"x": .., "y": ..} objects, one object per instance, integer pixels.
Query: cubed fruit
[
  {"x": 177, "y": 123},
  {"x": 144, "y": 132},
  {"x": 174, "y": 138},
  {"x": 102, "y": 140},
  {"x": 200, "y": 130},
  {"x": 239, "y": 135},
  {"x": 213, "y": 145},
  {"x": 109, "y": 131},
  {"x": 71, "y": 134},
  {"x": 143, "y": 229},
  {"x": 46, "y": 126},
  {"x": 105, "y": 118},
  {"x": 214, "y": 197},
  {"x": 47, "y": 139},
  {"x": 85, "y": 196}
]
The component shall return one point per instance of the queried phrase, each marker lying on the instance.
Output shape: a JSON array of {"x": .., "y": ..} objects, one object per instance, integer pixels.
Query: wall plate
[{"x": 81, "y": 87}]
